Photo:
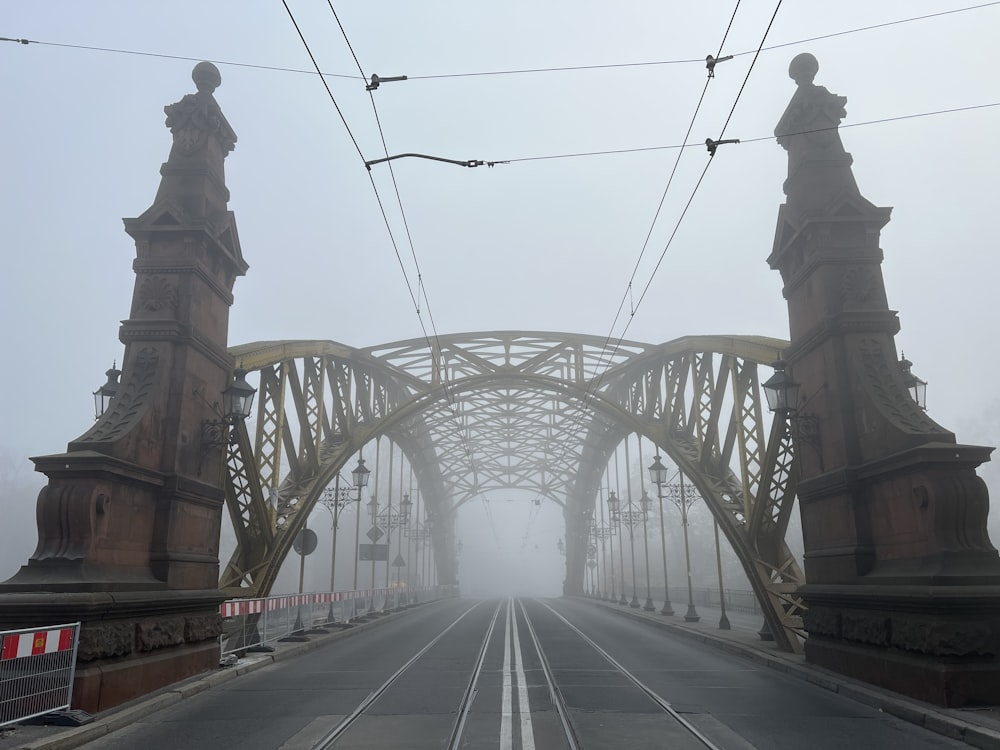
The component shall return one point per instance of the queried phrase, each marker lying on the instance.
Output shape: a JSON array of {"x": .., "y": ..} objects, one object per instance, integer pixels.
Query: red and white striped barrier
[
  {"x": 20, "y": 645},
  {"x": 36, "y": 671},
  {"x": 262, "y": 621}
]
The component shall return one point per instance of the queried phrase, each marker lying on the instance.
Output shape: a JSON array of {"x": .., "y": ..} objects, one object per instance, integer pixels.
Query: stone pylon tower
[
  {"x": 128, "y": 524},
  {"x": 903, "y": 585}
]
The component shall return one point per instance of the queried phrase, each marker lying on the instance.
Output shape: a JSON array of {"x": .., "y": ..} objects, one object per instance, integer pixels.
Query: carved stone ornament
[
  {"x": 888, "y": 394},
  {"x": 813, "y": 111},
  {"x": 198, "y": 115},
  {"x": 860, "y": 286},
  {"x": 128, "y": 406},
  {"x": 157, "y": 293}
]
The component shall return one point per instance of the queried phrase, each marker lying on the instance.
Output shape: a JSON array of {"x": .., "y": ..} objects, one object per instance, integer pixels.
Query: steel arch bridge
[{"x": 536, "y": 411}]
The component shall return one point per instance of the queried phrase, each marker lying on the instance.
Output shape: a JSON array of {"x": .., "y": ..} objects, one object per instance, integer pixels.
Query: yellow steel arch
[{"x": 476, "y": 412}]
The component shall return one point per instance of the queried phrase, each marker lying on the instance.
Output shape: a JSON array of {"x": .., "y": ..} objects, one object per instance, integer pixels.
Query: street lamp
[
  {"x": 393, "y": 521},
  {"x": 658, "y": 476},
  {"x": 104, "y": 394},
  {"x": 614, "y": 510},
  {"x": 645, "y": 501},
  {"x": 605, "y": 532},
  {"x": 683, "y": 501},
  {"x": 360, "y": 476},
  {"x": 236, "y": 402},
  {"x": 916, "y": 386},
  {"x": 334, "y": 500},
  {"x": 782, "y": 395},
  {"x": 632, "y": 515}
]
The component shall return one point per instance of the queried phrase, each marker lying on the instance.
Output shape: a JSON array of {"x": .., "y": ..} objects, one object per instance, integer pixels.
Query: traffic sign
[
  {"x": 305, "y": 543},
  {"x": 375, "y": 533},
  {"x": 399, "y": 562}
]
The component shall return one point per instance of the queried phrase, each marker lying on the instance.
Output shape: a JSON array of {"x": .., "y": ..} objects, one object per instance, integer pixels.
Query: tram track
[
  {"x": 516, "y": 729},
  {"x": 330, "y": 738},
  {"x": 558, "y": 697}
]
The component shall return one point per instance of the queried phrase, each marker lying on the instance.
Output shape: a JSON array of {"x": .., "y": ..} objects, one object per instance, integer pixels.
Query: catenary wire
[
  {"x": 378, "y": 198},
  {"x": 591, "y": 390},
  {"x": 842, "y": 126},
  {"x": 516, "y": 71},
  {"x": 449, "y": 396},
  {"x": 663, "y": 197},
  {"x": 596, "y": 382}
]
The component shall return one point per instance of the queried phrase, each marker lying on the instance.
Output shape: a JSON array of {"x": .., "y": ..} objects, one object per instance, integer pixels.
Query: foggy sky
[{"x": 537, "y": 245}]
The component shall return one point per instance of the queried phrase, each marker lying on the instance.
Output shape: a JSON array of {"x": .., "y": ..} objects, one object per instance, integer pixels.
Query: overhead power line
[
  {"x": 843, "y": 126},
  {"x": 512, "y": 71},
  {"x": 436, "y": 347}
]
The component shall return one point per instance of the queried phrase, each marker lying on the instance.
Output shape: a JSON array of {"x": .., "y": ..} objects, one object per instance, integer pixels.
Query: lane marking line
[
  {"x": 506, "y": 718},
  {"x": 523, "y": 708}
]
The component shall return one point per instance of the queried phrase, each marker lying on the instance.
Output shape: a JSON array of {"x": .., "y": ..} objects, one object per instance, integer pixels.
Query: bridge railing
[
  {"x": 737, "y": 600},
  {"x": 254, "y": 624},
  {"x": 37, "y": 667}
]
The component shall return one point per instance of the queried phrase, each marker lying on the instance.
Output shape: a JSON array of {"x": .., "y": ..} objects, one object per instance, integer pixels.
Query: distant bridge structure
[{"x": 534, "y": 411}]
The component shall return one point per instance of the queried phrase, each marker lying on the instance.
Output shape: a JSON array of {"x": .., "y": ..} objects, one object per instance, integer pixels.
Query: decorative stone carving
[
  {"x": 128, "y": 406},
  {"x": 866, "y": 628},
  {"x": 944, "y": 637},
  {"x": 157, "y": 293},
  {"x": 196, "y": 116},
  {"x": 813, "y": 112},
  {"x": 202, "y": 628},
  {"x": 105, "y": 641},
  {"x": 888, "y": 394},
  {"x": 860, "y": 286},
  {"x": 822, "y": 621},
  {"x": 154, "y": 634}
]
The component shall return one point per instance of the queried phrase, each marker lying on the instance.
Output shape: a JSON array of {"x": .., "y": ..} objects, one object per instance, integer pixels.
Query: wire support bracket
[
  {"x": 376, "y": 80},
  {"x": 711, "y": 62},
  {"x": 466, "y": 163},
  {"x": 713, "y": 145}
]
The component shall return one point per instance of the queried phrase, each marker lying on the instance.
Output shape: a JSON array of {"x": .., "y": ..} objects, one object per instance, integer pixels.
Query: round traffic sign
[{"x": 305, "y": 543}]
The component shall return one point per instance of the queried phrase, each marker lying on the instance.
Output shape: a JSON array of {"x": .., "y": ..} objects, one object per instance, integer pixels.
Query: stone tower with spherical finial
[
  {"x": 902, "y": 582},
  {"x": 129, "y": 521}
]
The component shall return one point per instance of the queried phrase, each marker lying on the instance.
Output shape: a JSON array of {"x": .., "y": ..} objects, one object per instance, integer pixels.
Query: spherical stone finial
[
  {"x": 206, "y": 77},
  {"x": 803, "y": 69}
]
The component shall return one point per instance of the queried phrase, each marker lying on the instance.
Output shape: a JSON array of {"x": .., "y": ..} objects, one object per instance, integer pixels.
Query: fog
[{"x": 534, "y": 244}]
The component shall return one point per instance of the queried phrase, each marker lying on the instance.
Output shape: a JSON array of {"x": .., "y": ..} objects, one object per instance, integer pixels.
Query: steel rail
[
  {"x": 554, "y": 693},
  {"x": 471, "y": 691},
  {"x": 334, "y": 734},
  {"x": 657, "y": 699}
]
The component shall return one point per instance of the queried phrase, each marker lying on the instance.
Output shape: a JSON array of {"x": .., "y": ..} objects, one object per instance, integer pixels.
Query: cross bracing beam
[{"x": 539, "y": 412}]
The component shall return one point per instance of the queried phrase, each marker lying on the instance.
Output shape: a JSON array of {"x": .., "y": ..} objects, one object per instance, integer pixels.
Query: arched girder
[{"x": 697, "y": 398}]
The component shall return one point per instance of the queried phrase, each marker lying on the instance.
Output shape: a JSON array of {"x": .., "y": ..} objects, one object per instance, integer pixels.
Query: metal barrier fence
[
  {"x": 36, "y": 671},
  {"x": 253, "y": 624}
]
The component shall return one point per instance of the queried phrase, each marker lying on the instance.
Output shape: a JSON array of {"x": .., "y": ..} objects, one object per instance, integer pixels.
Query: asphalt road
[{"x": 487, "y": 662}]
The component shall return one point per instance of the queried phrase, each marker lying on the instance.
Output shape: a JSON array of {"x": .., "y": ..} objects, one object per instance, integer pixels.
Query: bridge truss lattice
[{"x": 531, "y": 411}]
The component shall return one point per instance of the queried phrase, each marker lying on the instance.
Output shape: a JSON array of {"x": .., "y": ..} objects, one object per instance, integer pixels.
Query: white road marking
[
  {"x": 523, "y": 709},
  {"x": 506, "y": 733}
]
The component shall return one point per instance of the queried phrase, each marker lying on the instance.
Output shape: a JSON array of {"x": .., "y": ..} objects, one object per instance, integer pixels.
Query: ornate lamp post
[
  {"x": 591, "y": 565},
  {"x": 644, "y": 502},
  {"x": 604, "y": 532},
  {"x": 631, "y": 515},
  {"x": 392, "y": 521},
  {"x": 335, "y": 500},
  {"x": 360, "y": 476},
  {"x": 658, "y": 476},
  {"x": 614, "y": 510},
  {"x": 682, "y": 500}
]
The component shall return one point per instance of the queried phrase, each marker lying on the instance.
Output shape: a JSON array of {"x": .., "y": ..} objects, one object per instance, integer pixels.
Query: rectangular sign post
[{"x": 373, "y": 552}]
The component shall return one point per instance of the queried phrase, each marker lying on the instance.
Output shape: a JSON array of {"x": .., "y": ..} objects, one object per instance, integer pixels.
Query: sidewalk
[{"x": 976, "y": 727}]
